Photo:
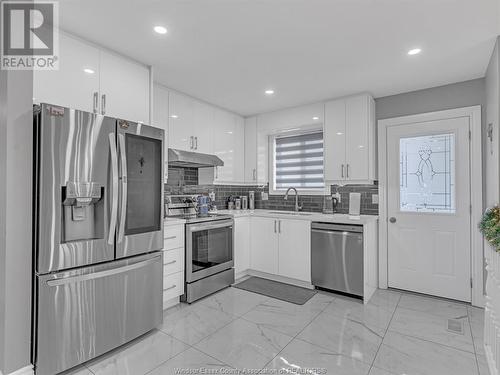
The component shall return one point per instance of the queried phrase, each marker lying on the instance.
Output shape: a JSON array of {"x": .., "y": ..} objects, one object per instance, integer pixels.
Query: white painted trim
[
  {"x": 477, "y": 256},
  {"x": 28, "y": 370}
]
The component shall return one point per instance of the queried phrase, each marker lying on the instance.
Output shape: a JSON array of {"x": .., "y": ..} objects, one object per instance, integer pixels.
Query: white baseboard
[
  {"x": 28, "y": 370},
  {"x": 169, "y": 303},
  {"x": 490, "y": 360}
]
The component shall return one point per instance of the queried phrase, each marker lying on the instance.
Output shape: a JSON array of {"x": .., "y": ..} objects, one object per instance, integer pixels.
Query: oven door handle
[{"x": 206, "y": 226}]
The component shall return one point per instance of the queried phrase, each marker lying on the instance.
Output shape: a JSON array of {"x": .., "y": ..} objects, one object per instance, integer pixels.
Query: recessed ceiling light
[
  {"x": 174, "y": 116},
  {"x": 414, "y": 51},
  {"x": 340, "y": 133},
  {"x": 315, "y": 118},
  {"x": 160, "y": 29},
  {"x": 88, "y": 71},
  {"x": 269, "y": 92}
]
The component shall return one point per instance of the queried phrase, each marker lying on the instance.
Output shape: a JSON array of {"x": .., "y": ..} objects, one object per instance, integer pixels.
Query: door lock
[{"x": 392, "y": 220}]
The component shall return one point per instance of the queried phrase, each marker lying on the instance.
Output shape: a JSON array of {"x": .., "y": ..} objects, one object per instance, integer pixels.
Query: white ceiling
[{"x": 227, "y": 52}]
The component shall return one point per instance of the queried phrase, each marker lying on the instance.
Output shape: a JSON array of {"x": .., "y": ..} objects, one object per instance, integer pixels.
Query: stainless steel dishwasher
[{"x": 337, "y": 257}]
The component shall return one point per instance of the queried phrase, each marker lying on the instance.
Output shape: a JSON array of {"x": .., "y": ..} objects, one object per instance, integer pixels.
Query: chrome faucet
[{"x": 297, "y": 207}]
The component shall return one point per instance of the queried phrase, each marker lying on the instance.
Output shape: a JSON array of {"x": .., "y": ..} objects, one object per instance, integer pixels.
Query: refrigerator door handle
[
  {"x": 114, "y": 201},
  {"x": 100, "y": 274},
  {"x": 123, "y": 212}
]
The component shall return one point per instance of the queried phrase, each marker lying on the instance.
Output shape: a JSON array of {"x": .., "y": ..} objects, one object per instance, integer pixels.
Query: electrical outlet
[
  {"x": 265, "y": 196},
  {"x": 375, "y": 199}
]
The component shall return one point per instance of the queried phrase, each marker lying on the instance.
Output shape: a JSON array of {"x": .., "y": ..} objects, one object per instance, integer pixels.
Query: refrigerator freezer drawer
[{"x": 87, "y": 312}]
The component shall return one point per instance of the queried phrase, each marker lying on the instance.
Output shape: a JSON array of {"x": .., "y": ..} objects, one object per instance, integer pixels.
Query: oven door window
[{"x": 211, "y": 247}]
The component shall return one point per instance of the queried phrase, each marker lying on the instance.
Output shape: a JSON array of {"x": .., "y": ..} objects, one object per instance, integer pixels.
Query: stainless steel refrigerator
[{"x": 98, "y": 232}]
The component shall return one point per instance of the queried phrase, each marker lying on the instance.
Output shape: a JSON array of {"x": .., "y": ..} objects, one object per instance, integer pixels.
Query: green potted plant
[{"x": 490, "y": 227}]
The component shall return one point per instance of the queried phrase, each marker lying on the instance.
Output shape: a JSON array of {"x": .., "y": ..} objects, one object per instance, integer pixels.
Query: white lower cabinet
[
  {"x": 295, "y": 249},
  {"x": 241, "y": 245},
  {"x": 173, "y": 263},
  {"x": 264, "y": 244},
  {"x": 281, "y": 247}
]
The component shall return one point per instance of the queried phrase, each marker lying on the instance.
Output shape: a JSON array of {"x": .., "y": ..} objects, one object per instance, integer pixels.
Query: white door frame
[{"x": 476, "y": 176}]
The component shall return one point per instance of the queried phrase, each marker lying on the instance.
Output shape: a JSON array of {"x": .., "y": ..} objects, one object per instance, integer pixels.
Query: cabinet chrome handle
[
  {"x": 342, "y": 170},
  {"x": 254, "y": 174},
  {"x": 347, "y": 169},
  {"x": 103, "y": 104},
  {"x": 95, "y": 101},
  {"x": 172, "y": 262},
  {"x": 275, "y": 226},
  {"x": 191, "y": 142},
  {"x": 216, "y": 172},
  {"x": 196, "y": 143},
  {"x": 170, "y": 238},
  {"x": 279, "y": 226},
  {"x": 172, "y": 287},
  {"x": 392, "y": 220}
]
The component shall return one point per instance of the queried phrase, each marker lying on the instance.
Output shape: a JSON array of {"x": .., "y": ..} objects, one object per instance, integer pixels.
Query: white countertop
[
  {"x": 173, "y": 221},
  {"x": 310, "y": 216}
]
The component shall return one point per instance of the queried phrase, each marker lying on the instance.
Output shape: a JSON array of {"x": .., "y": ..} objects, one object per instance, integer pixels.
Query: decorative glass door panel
[
  {"x": 144, "y": 174},
  {"x": 427, "y": 174}
]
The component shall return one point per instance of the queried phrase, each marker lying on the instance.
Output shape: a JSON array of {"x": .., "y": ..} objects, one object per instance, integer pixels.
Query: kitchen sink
[{"x": 290, "y": 213}]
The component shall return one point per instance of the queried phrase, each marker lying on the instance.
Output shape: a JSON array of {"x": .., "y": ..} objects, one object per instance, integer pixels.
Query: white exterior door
[{"x": 428, "y": 207}]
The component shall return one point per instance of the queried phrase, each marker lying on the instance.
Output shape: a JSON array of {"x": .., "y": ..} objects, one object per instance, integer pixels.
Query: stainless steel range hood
[{"x": 181, "y": 158}]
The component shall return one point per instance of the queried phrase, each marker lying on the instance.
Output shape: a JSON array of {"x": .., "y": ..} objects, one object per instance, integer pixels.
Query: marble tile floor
[{"x": 235, "y": 331}]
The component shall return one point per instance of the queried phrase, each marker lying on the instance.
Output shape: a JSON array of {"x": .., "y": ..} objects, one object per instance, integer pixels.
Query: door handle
[
  {"x": 279, "y": 226},
  {"x": 216, "y": 173},
  {"x": 172, "y": 262},
  {"x": 172, "y": 287},
  {"x": 103, "y": 104},
  {"x": 196, "y": 143},
  {"x": 275, "y": 226},
  {"x": 114, "y": 189},
  {"x": 95, "y": 101},
  {"x": 101, "y": 274},
  {"x": 170, "y": 238},
  {"x": 342, "y": 171},
  {"x": 123, "y": 213},
  {"x": 392, "y": 220},
  {"x": 191, "y": 142},
  {"x": 347, "y": 169},
  {"x": 254, "y": 174}
]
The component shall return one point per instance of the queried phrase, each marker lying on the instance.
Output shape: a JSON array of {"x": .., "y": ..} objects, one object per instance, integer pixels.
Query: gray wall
[{"x": 16, "y": 88}]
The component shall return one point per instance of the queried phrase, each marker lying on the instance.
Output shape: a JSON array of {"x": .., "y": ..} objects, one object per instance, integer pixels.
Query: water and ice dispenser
[{"x": 83, "y": 211}]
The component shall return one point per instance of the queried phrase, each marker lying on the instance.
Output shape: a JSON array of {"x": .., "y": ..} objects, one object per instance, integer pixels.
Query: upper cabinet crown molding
[
  {"x": 96, "y": 80},
  {"x": 349, "y": 140}
]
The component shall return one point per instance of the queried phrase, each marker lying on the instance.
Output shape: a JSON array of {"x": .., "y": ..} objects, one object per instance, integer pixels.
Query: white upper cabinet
[
  {"x": 251, "y": 150},
  {"x": 70, "y": 86},
  {"x": 180, "y": 121},
  {"x": 203, "y": 122},
  {"x": 94, "y": 80},
  {"x": 160, "y": 118},
  {"x": 349, "y": 134},
  {"x": 228, "y": 144},
  {"x": 124, "y": 88}
]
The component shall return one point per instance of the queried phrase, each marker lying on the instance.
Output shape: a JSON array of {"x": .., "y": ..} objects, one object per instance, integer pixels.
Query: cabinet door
[
  {"x": 124, "y": 87},
  {"x": 160, "y": 119},
  {"x": 70, "y": 86},
  {"x": 264, "y": 245},
  {"x": 203, "y": 122},
  {"x": 228, "y": 144},
  {"x": 180, "y": 121},
  {"x": 251, "y": 150},
  {"x": 335, "y": 140},
  {"x": 241, "y": 244},
  {"x": 295, "y": 249},
  {"x": 357, "y": 141}
]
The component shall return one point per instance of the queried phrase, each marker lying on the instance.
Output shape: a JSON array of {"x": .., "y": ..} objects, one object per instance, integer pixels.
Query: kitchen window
[{"x": 298, "y": 162}]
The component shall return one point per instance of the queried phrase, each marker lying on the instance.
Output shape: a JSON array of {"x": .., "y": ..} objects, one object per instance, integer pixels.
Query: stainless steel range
[{"x": 209, "y": 247}]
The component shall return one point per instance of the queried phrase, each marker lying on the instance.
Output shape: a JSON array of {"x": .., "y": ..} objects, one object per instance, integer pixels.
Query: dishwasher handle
[{"x": 329, "y": 227}]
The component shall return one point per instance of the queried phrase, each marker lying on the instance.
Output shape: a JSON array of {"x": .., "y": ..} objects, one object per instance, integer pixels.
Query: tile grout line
[
  {"x": 385, "y": 333},
  {"x": 469, "y": 317},
  {"x": 295, "y": 337}
]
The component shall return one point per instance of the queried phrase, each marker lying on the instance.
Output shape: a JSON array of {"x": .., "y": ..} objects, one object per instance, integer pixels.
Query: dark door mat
[{"x": 275, "y": 289}]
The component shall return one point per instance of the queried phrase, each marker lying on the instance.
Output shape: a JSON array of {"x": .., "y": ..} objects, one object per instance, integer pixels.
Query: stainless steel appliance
[
  {"x": 337, "y": 257},
  {"x": 209, "y": 248},
  {"x": 98, "y": 229}
]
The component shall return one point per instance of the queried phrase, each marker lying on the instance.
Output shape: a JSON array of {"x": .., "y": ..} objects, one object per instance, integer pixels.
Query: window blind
[{"x": 299, "y": 161}]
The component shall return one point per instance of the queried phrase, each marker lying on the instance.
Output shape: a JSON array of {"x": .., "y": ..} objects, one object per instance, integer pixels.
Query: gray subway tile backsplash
[{"x": 185, "y": 181}]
